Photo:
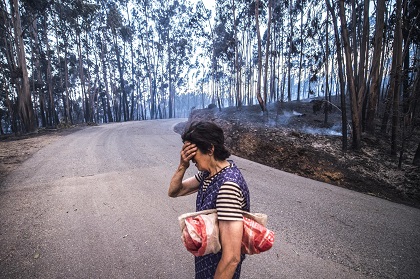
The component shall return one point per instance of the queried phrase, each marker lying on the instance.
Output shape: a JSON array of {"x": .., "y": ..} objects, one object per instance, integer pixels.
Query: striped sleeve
[
  {"x": 199, "y": 176},
  {"x": 230, "y": 202}
]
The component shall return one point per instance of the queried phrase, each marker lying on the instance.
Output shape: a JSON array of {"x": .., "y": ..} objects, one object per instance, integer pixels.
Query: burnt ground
[
  {"x": 292, "y": 138},
  {"x": 285, "y": 139}
]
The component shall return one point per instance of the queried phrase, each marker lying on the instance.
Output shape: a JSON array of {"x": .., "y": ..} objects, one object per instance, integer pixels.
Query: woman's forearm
[
  {"x": 226, "y": 268},
  {"x": 231, "y": 239},
  {"x": 175, "y": 186}
]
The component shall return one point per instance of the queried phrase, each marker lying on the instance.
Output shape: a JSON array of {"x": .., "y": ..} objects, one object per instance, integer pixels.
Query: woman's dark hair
[{"x": 206, "y": 134}]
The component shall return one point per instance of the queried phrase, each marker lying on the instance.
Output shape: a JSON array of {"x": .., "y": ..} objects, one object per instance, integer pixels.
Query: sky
[{"x": 209, "y": 4}]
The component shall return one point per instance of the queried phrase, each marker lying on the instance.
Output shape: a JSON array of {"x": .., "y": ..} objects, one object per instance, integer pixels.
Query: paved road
[{"x": 94, "y": 205}]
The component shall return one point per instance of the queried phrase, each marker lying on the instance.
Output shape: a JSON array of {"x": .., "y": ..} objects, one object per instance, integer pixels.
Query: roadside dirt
[
  {"x": 292, "y": 138},
  {"x": 14, "y": 150}
]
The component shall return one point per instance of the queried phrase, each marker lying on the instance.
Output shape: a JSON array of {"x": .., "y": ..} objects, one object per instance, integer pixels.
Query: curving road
[{"x": 94, "y": 205}]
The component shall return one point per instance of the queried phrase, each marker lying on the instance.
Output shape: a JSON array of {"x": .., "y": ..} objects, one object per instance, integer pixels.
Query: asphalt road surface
[{"x": 94, "y": 205}]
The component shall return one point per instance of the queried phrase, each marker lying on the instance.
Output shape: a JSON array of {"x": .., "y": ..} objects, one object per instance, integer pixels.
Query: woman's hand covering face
[{"x": 189, "y": 150}]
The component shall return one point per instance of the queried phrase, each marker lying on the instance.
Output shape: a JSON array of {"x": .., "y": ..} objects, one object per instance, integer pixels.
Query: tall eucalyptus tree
[
  {"x": 279, "y": 34},
  {"x": 181, "y": 46},
  {"x": 53, "y": 120},
  {"x": 63, "y": 25},
  {"x": 17, "y": 63},
  {"x": 396, "y": 75},
  {"x": 261, "y": 101},
  {"x": 375, "y": 80},
  {"x": 8, "y": 65},
  {"x": 267, "y": 50},
  {"x": 356, "y": 84},
  {"x": 300, "y": 6},
  {"x": 116, "y": 26},
  {"x": 236, "y": 67},
  {"x": 146, "y": 43},
  {"x": 340, "y": 65},
  {"x": 102, "y": 39},
  {"x": 291, "y": 50}
]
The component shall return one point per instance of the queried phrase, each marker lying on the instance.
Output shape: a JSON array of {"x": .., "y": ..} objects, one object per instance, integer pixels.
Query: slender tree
[
  {"x": 267, "y": 52},
  {"x": 237, "y": 67},
  {"x": 25, "y": 105},
  {"x": 340, "y": 66},
  {"x": 261, "y": 101},
  {"x": 396, "y": 76},
  {"x": 376, "y": 62},
  {"x": 356, "y": 96}
]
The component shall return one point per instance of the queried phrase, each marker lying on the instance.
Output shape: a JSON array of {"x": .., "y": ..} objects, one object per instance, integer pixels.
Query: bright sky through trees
[{"x": 209, "y": 4}]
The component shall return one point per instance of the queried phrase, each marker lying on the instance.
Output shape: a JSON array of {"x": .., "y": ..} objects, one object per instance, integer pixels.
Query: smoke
[
  {"x": 333, "y": 131},
  {"x": 284, "y": 119}
]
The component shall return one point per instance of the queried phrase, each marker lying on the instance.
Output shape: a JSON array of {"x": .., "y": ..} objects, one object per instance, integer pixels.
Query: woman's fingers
[{"x": 188, "y": 151}]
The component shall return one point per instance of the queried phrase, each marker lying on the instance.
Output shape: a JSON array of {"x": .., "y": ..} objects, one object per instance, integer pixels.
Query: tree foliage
[{"x": 66, "y": 62}]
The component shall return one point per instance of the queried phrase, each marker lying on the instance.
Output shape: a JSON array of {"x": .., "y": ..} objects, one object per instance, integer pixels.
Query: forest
[{"x": 66, "y": 62}]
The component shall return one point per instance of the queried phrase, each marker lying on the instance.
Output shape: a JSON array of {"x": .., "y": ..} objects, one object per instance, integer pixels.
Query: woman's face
[{"x": 201, "y": 160}]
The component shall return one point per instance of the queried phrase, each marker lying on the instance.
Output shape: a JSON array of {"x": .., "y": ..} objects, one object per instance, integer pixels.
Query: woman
[{"x": 220, "y": 185}]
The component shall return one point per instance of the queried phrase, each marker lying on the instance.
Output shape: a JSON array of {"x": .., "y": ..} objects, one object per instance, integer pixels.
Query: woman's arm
[
  {"x": 231, "y": 239},
  {"x": 178, "y": 186}
]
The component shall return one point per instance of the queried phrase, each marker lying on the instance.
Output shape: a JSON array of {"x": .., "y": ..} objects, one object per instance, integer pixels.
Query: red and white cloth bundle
[
  {"x": 256, "y": 237},
  {"x": 200, "y": 233}
]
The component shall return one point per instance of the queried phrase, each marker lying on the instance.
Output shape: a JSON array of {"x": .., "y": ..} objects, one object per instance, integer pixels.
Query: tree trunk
[
  {"x": 354, "y": 14},
  {"x": 69, "y": 119},
  {"x": 301, "y": 55},
  {"x": 171, "y": 97},
  {"x": 82, "y": 78},
  {"x": 340, "y": 75},
  {"x": 289, "y": 55},
  {"x": 66, "y": 99},
  {"x": 327, "y": 89},
  {"x": 361, "y": 76},
  {"x": 361, "y": 88},
  {"x": 148, "y": 66},
  {"x": 388, "y": 107},
  {"x": 273, "y": 95},
  {"x": 13, "y": 111},
  {"x": 237, "y": 71},
  {"x": 259, "y": 98},
  {"x": 396, "y": 72},
  {"x": 25, "y": 105},
  {"x": 267, "y": 52},
  {"x": 123, "y": 99},
  {"x": 104, "y": 52},
  {"x": 376, "y": 62},
  {"x": 383, "y": 68},
  {"x": 51, "y": 108},
  {"x": 36, "y": 74},
  {"x": 283, "y": 72},
  {"x": 414, "y": 110},
  {"x": 91, "y": 85},
  {"x": 355, "y": 112},
  {"x": 125, "y": 95}
]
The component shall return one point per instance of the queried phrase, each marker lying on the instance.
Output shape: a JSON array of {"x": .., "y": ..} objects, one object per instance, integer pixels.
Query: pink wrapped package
[
  {"x": 256, "y": 238},
  {"x": 200, "y": 232}
]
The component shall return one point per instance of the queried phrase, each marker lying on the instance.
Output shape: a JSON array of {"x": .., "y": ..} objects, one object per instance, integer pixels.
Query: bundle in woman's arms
[{"x": 200, "y": 233}]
